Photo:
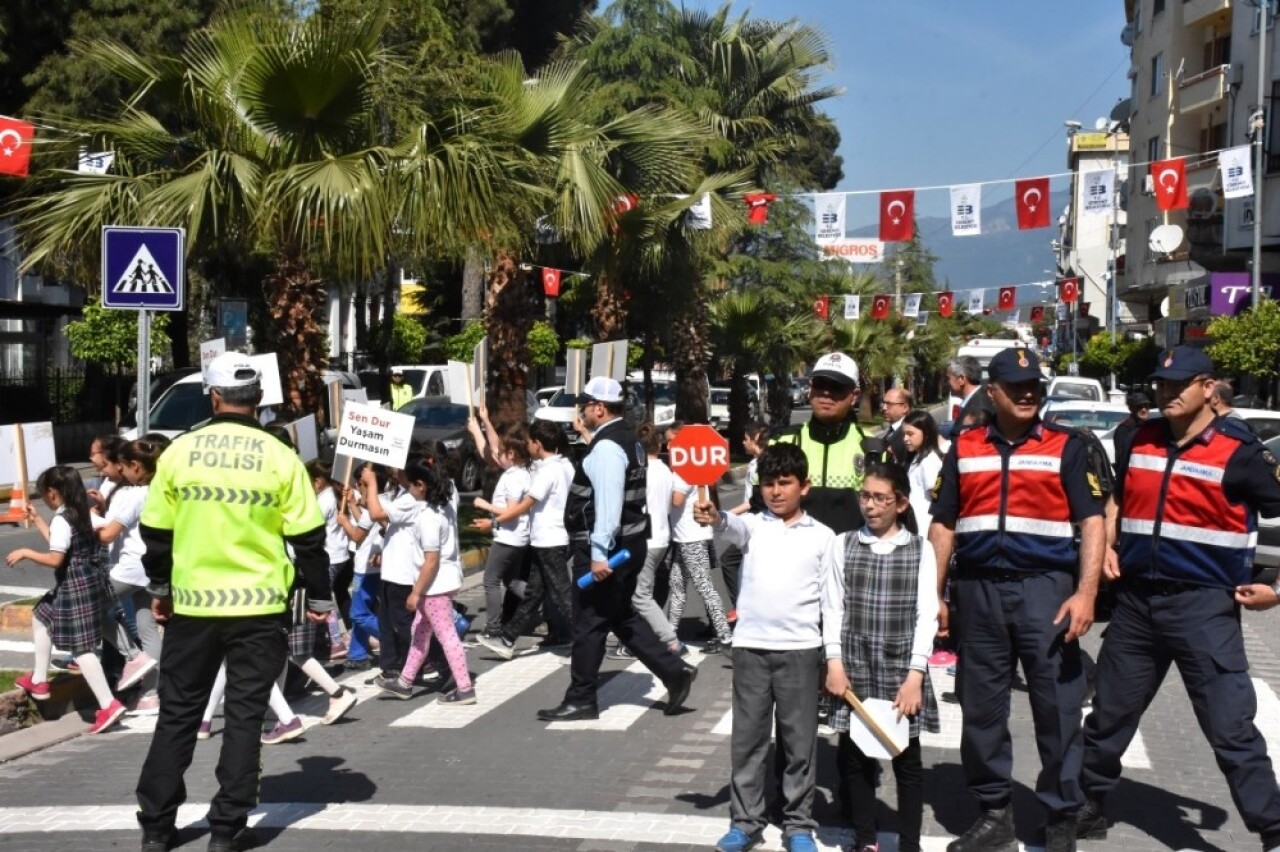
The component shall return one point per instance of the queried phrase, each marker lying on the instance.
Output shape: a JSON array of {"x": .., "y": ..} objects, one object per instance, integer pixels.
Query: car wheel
[{"x": 469, "y": 476}]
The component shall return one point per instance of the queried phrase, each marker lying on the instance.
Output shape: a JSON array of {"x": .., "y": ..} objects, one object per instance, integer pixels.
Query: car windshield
[
  {"x": 1094, "y": 421},
  {"x": 181, "y": 407},
  {"x": 719, "y": 397},
  {"x": 414, "y": 379},
  {"x": 436, "y": 415},
  {"x": 1076, "y": 390},
  {"x": 562, "y": 399},
  {"x": 664, "y": 393}
]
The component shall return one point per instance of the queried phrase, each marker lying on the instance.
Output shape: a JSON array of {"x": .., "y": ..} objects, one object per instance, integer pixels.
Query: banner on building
[
  {"x": 829, "y": 218},
  {"x": 1237, "y": 175},
  {"x": 1098, "y": 194}
]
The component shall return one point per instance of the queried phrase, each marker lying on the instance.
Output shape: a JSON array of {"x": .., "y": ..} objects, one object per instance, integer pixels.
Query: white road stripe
[
  {"x": 618, "y": 826},
  {"x": 626, "y": 697},
  {"x": 493, "y": 689},
  {"x": 22, "y": 591},
  {"x": 1268, "y": 717}
]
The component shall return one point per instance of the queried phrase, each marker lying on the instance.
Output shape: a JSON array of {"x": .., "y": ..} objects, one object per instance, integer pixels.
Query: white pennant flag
[
  {"x": 975, "y": 301},
  {"x": 1099, "y": 189},
  {"x": 828, "y": 218},
  {"x": 922, "y": 318},
  {"x": 1237, "y": 176},
  {"x": 966, "y": 210},
  {"x": 852, "y": 307},
  {"x": 95, "y": 164},
  {"x": 911, "y": 305},
  {"x": 698, "y": 216}
]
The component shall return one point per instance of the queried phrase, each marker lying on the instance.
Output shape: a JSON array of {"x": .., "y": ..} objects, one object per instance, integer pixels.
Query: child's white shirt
[
  {"x": 512, "y": 486},
  {"x": 435, "y": 530},
  {"x": 59, "y": 532}
]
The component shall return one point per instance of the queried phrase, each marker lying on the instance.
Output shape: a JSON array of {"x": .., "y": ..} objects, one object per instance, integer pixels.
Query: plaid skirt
[
  {"x": 302, "y": 633},
  {"x": 72, "y": 610}
]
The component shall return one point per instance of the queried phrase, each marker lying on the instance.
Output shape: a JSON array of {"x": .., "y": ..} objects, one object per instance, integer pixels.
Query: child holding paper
[
  {"x": 879, "y": 616},
  {"x": 777, "y": 649}
]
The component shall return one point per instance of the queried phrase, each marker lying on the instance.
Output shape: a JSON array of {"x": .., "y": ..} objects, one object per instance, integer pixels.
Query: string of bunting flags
[{"x": 974, "y": 303}]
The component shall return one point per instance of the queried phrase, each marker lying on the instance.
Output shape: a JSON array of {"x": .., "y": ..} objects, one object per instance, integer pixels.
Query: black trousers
[
  {"x": 255, "y": 649},
  {"x": 340, "y": 577},
  {"x": 1199, "y": 631},
  {"x": 395, "y": 625},
  {"x": 549, "y": 578},
  {"x": 731, "y": 567},
  {"x": 604, "y": 606},
  {"x": 859, "y": 775}
]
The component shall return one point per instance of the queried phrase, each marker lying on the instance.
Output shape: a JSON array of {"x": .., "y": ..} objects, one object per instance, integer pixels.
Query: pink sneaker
[
  {"x": 135, "y": 670},
  {"x": 147, "y": 704},
  {"x": 107, "y": 717},
  {"x": 38, "y": 691},
  {"x": 942, "y": 658}
]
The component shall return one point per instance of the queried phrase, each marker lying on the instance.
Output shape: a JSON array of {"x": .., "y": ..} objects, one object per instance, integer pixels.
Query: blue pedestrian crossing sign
[{"x": 142, "y": 268}]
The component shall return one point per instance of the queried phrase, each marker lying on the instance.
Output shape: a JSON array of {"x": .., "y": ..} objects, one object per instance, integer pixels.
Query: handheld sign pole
[
  {"x": 346, "y": 483},
  {"x": 615, "y": 561},
  {"x": 869, "y": 721},
  {"x": 20, "y": 453}
]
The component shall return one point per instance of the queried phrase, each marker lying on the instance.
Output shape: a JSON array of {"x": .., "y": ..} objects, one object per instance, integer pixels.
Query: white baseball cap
[
  {"x": 232, "y": 370},
  {"x": 837, "y": 367},
  {"x": 601, "y": 389}
]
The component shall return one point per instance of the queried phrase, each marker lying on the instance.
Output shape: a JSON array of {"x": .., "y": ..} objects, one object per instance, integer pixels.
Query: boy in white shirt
[{"x": 777, "y": 649}]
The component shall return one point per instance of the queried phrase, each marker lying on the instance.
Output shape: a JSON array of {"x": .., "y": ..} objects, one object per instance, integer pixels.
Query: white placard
[
  {"x": 209, "y": 350},
  {"x": 886, "y": 716},
  {"x": 609, "y": 360},
  {"x": 355, "y": 395},
  {"x": 1237, "y": 175},
  {"x": 975, "y": 302},
  {"x": 461, "y": 391},
  {"x": 852, "y": 307},
  {"x": 575, "y": 370},
  {"x": 304, "y": 433},
  {"x": 269, "y": 366},
  {"x": 828, "y": 217},
  {"x": 911, "y": 305},
  {"x": 966, "y": 210},
  {"x": 480, "y": 369},
  {"x": 37, "y": 439},
  {"x": 1099, "y": 191},
  {"x": 374, "y": 434}
]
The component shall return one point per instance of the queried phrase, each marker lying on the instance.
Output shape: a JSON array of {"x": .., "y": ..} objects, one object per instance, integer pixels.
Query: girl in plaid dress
[
  {"x": 879, "y": 616},
  {"x": 68, "y": 616}
]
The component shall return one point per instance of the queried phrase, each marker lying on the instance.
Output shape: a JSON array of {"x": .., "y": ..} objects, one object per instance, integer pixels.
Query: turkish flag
[
  {"x": 897, "y": 216},
  {"x": 1069, "y": 290},
  {"x": 880, "y": 306},
  {"x": 1007, "y": 300},
  {"x": 758, "y": 206},
  {"x": 1032, "y": 199},
  {"x": 1037, "y": 313},
  {"x": 1084, "y": 309},
  {"x": 626, "y": 203},
  {"x": 551, "y": 282},
  {"x": 15, "y": 146},
  {"x": 946, "y": 301},
  {"x": 1170, "y": 180},
  {"x": 822, "y": 307}
]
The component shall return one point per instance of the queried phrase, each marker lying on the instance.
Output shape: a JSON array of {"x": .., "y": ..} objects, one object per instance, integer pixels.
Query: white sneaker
[
  {"x": 135, "y": 670},
  {"x": 339, "y": 705}
]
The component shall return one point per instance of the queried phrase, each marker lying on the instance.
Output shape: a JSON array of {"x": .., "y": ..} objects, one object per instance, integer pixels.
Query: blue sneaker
[
  {"x": 799, "y": 842},
  {"x": 738, "y": 840}
]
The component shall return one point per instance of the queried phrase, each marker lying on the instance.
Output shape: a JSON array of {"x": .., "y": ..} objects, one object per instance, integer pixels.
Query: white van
[{"x": 984, "y": 349}]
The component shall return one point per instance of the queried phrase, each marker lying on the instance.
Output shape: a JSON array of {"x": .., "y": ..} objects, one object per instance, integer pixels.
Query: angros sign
[{"x": 854, "y": 250}]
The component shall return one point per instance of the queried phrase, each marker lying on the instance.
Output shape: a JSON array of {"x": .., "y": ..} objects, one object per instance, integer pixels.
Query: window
[
  {"x": 1153, "y": 149},
  {"x": 1273, "y": 133},
  {"x": 1253, "y": 15},
  {"x": 1157, "y": 6},
  {"x": 1157, "y": 74},
  {"x": 1217, "y": 51},
  {"x": 1213, "y": 138}
]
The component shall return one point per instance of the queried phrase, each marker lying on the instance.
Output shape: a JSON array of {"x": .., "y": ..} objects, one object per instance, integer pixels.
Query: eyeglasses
[
  {"x": 830, "y": 389},
  {"x": 877, "y": 499},
  {"x": 884, "y": 403}
]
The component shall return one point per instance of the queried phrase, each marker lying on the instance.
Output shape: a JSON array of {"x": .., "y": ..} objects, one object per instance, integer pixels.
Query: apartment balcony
[
  {"x": 1205, "y": 89},
  {"x": 1196, "y": 12}
]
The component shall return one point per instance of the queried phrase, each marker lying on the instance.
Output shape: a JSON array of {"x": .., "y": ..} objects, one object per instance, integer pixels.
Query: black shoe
[
  {"x": 1091, "y": 821},
  {"x": 993, "y": 832},
  {"x": 357, "y": 665},
  {"x": 1271, "y": 841},
  {"x": 157, "y": 841},
  {"x": 950, "y": 698},
  {"x": 237, "y": 842},
  {"x": 1060, "y": 835},
  {"x": 678, "y": 691},
  {"x": 567, "y": 712}
]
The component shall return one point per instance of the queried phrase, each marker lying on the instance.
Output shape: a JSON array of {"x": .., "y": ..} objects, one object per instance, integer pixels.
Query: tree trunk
[
  {"x": 512, "y": 305},
  {"x": 610, "y": 311},
  {"x": 738, "y": 404},
  {"x": 690, "y": 350},
  {"x": 295, "y": 297},
  {"x": 473, "y": 285},
  {"x": 180, "y": 339}
]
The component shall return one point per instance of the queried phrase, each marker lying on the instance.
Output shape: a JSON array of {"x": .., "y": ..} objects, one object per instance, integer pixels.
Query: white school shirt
[
  {"x": 335, "y": 537},
  {"x": 549, "y": 489},
  {"x": 684, "y": 528},
  {"x": 784, "y": 571},
  {"x": 401, "y": 559},
  {"x": 922, "y": 474},
  {"x": 127, "y": 550},
  {"x": 366, "y": 548},
  {"x": 659, "y": 483},
  {"x": 436, "y": 531},
  {"x": 926, "y": 594},
  {"x": 512, "y": 486},
  {"x": 59, "y": 532}
]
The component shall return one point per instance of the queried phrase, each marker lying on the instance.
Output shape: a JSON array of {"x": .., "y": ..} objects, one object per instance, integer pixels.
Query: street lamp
[{"x": 1258, "y": 124}]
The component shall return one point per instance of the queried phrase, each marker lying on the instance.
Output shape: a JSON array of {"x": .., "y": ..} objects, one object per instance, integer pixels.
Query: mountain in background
[{"x": 999, "y": 256}]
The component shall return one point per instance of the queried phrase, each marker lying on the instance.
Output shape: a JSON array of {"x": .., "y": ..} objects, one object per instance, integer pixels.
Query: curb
[
  {"x": 15, "y": 618},
  {"x": 41, "y": 736}
]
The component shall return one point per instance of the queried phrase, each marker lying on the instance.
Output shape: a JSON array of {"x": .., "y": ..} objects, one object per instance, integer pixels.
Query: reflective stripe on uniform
[
  {"x": 223, "y": 601},
  {"x": 1015, "y": 524},
  {"x": 1181, "y": 467},
  {"x": 981, "y": 464},
  {"x": 1198, "y": 535}
]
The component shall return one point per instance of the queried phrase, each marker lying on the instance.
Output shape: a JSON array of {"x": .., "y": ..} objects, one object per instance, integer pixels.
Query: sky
[{"x": 940, "y": 92}]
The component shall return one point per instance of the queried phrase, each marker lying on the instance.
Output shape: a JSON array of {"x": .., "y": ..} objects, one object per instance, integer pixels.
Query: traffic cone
[{"x": 17, "y": 506}]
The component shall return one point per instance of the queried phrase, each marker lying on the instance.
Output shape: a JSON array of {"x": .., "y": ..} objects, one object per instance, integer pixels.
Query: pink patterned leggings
[{"x": 435, "y": 615}]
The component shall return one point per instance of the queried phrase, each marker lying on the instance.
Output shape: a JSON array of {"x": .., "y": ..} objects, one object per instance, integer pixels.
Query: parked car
[
  {"x": 1076, "y": 387},
  {"x": 437, "y": 420},
  {"x": 562, "y": 407},
  {"x": 425, "y": 379},
  {"x": 543, "y": 395},
  {"x": 799, "y": 391},
  {"x": 718, "y": 414},
  {"x": 1097, "y": 417},
  {"x": 160, "y": 383}
]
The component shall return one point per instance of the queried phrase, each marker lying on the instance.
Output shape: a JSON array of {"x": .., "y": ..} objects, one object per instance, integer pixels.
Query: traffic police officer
[
  {"x": 1005, "y": 504},
  {"x": 225, "y": 499},
  {"x": 1182, "y": 523},
  {"x": 832, "y": 442}
]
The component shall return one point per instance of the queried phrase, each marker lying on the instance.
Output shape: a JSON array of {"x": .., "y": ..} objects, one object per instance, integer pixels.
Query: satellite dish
[
  {"x": 1127, "y": 34},
  {"x": 1165, "y": 239},
  {"x": 1100, "y": 124},
  {"x": 1122, "y": 111},
  {"x": 1164, "y": 307}
]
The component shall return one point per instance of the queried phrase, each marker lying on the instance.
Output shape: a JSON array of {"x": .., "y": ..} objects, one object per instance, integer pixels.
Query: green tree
[
  {"x": 109, "y": 338},
  {"x": 1248, "y": 344}
]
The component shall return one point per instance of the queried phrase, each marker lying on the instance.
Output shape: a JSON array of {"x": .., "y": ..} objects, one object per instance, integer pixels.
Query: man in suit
[
  {"x": 894, "y": 407},
  {"x": 964, "y": 375}
]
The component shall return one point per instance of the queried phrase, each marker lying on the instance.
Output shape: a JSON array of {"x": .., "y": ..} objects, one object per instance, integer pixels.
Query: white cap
[
  {"x": 836, "y": 366},
  {"x": 232, "y": 370},
  {"x": 601, "y": 389}
]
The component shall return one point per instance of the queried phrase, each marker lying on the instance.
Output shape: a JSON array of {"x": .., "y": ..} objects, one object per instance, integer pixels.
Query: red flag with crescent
[
  {"x": 15, "y": 146},
  {"x": 822, "y": 307},
  {"x": 1169, "y": 177},
  {"x": 1037, "y": 313},
  {"x": 946, "y": 301},
  {"x": 897, "y": 216},
  {"x": 551, "y": 282},
  {"x": 1008, "y": 299},
  {"x": 1069, "y": 290},
  {"x": 1032, "y": 199},
  {"x": 880, "y": 306}
]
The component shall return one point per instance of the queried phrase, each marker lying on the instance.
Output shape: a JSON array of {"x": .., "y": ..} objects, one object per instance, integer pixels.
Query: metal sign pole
[{"x": 144, "y": 372}]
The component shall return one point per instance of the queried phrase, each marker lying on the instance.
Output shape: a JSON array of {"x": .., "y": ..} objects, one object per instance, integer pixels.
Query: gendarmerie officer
[
  {"x": 1006, "y": 501},
  {"x": 225, "y": 499},
  {"x": 1182, "y": 523}
]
